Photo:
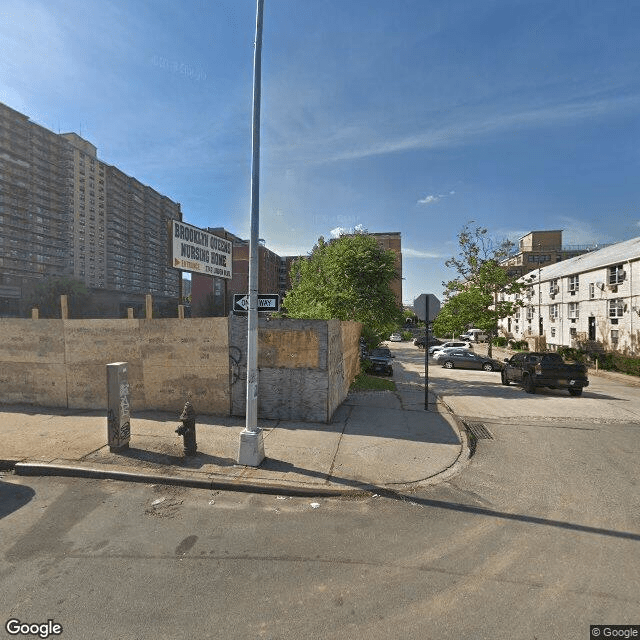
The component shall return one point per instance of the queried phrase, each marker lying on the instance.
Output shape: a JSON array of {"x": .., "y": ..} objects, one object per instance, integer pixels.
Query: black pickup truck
[{"x": 533, "y": 370}]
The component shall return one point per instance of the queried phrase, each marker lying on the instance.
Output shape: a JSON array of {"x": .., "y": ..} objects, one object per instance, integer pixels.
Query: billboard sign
[{"x": 198, "y": 251}]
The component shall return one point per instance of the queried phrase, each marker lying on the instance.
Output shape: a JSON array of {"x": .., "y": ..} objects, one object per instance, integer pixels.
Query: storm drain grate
[{"x": 479, "y": 430}]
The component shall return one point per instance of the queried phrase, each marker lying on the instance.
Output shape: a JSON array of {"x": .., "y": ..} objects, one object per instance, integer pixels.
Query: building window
[
  {"x": 574, "y": 312},
  {"x": 614, "y": 338},
  {"x": 574, "y": 283},
  {"x": 553, "y": 287},
  {"x": 592, "y": 291},
  {"x": 553, "y": 332},
  {"x": 616, "y": 274},
  {"x": 616, "y": 308},
  {"x": 529, "y": 313},
  {"x": 553, "y": 311}
]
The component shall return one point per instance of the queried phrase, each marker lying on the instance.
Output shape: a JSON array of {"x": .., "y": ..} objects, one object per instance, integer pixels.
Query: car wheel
[
  {"x": 448, "y": 364},
  {"x": 503, "y": 378},
  {"x": 487, "y": 366},
  {"x": 529, "y": 386},
  {"x": 575, "y": 392}
]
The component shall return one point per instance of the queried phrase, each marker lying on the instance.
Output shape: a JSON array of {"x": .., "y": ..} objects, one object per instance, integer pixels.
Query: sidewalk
[{"x": 376, "y": 441}]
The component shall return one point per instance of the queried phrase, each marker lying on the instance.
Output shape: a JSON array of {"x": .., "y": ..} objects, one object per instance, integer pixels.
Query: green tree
[
  {"x": 477, "y": 295},
  {"x": 460, "y": 311},
  {"x": 46, "y": 297},
  {"x": 349, "y": 279}
]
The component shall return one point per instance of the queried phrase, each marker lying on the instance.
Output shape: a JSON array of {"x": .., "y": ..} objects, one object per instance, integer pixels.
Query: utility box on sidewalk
[{"x": 118, "y": 403}]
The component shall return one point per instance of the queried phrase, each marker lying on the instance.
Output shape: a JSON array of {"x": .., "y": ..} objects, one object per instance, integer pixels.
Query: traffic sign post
[
  {"x": 426, "y": 306},
  {"x": 266, "y": 302}
]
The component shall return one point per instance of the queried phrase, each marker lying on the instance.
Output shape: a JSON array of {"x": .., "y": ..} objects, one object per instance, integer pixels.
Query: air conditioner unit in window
[{"x": 612, "y": 287}]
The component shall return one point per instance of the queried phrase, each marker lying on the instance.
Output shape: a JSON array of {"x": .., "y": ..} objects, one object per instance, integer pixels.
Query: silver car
[
  {"x": 452, "y": 343},
  {"x": 464, "y": 359}
]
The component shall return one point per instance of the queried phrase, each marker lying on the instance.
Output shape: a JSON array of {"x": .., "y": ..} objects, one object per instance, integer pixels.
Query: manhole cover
[{"x": 479, "y": 430}]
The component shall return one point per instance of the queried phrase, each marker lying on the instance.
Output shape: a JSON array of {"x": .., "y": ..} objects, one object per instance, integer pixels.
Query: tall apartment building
[
  {"x": 540, "y": 248},
  {"x": 392, "y": 240},
  {"x": 65, "y": 213},
  {"x": 268, "y": 270}
]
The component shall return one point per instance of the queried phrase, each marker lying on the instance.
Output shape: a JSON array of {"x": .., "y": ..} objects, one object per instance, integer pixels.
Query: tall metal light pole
[
  {"x": 251, "y": 450},
  {"x": 539, "y": 291}
]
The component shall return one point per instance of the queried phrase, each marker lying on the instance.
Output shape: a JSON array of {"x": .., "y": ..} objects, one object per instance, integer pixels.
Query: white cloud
[
  {"x": 348, "y": 142},
  {"x": 429, "y": 200},
  {"x": 432, "y": 199},
  {"x": 414, "y": 253},
  {"x": 579, "y": 232}
]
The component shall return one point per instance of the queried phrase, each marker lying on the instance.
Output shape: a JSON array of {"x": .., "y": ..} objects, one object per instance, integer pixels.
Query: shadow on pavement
[
  {"x": 13, "y": 497},
  {"x": 517, "y": 517},
  {"x": 495, "y": 389},
  {"x": 191, "y": 462}
]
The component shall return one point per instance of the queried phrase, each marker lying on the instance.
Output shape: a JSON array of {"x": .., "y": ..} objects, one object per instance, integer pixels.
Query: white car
[
  {"x": 442, "y": 354},
  {"x": 395, "y": 337},
  {"x": 452, "y": 343}
]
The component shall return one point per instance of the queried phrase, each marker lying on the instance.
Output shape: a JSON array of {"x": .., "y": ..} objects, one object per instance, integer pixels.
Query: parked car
[
  {"x": 542, "y": 369},
  {"x": 440, "y": 354},
  {"x": 395, "y": 337},
  {"x": 420, "y": 342},
  {"x": 380, "y": 359},
  {"x": 474, "y": 335},
  {"x": 451, "y": 343},
  {"x": 463, "y": 359}
]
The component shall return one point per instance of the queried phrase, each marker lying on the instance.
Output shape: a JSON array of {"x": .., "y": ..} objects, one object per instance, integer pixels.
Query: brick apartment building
[
  {"x": 66, "y": 213},
  {"x": 209, "y": 294}
]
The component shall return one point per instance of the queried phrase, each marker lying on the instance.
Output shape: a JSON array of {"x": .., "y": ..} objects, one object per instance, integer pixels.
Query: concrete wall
[
  {"x": 62, "y": 363},
  {"x": 305, "y": 366}
]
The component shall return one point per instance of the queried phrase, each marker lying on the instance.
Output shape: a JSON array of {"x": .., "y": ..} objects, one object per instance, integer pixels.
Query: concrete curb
[
  {"x": 73, "y": 471},
  {"x": 8, "y": 465}
]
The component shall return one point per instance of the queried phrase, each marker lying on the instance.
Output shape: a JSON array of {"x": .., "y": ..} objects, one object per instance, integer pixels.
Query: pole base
[{"x": 251, "y": 450}]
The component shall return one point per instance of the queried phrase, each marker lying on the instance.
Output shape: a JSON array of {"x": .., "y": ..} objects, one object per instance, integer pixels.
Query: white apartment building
[{"x": 593, "y": 297}]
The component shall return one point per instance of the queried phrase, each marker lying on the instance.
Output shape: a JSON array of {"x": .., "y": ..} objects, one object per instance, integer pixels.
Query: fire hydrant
[{"x": 188, "y": 429}]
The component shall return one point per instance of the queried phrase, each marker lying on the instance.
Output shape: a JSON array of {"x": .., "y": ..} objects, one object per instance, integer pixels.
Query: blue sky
[{"x": 399, "y": 115}]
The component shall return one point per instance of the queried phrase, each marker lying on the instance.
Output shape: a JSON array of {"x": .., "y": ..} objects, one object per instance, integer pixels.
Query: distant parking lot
[{"x": 480, "y": 393}]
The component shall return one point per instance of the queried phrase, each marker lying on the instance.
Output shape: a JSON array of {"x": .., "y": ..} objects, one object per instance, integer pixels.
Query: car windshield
[{"x": 380, "y": 353}]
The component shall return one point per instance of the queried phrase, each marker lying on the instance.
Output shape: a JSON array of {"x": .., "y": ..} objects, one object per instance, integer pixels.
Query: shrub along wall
[{"x": 618, "y": 362}]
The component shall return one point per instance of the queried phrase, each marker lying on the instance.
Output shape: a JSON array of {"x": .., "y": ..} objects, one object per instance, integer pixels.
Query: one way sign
[{"x": 266, "y": 302}]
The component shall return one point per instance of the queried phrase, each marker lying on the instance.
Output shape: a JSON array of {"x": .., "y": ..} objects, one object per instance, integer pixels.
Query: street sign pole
[
  {"x": 251, "y": 450},
  {"x": 426, "y": 356},
  {"x": 426, "y": 306}
]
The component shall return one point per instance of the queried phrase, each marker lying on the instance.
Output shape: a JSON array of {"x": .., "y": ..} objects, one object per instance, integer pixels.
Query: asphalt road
[{"x": 537, "y": 537}]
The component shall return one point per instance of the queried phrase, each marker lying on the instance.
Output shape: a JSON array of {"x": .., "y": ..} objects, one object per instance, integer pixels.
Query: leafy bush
[
  {"x": 407, "y": 335},
  {"x": 570, "y": 353},
  {"x": 519, "y": 345},
  {"x": 617, "y": 362},
  {"x": 500, "y": 341}
]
